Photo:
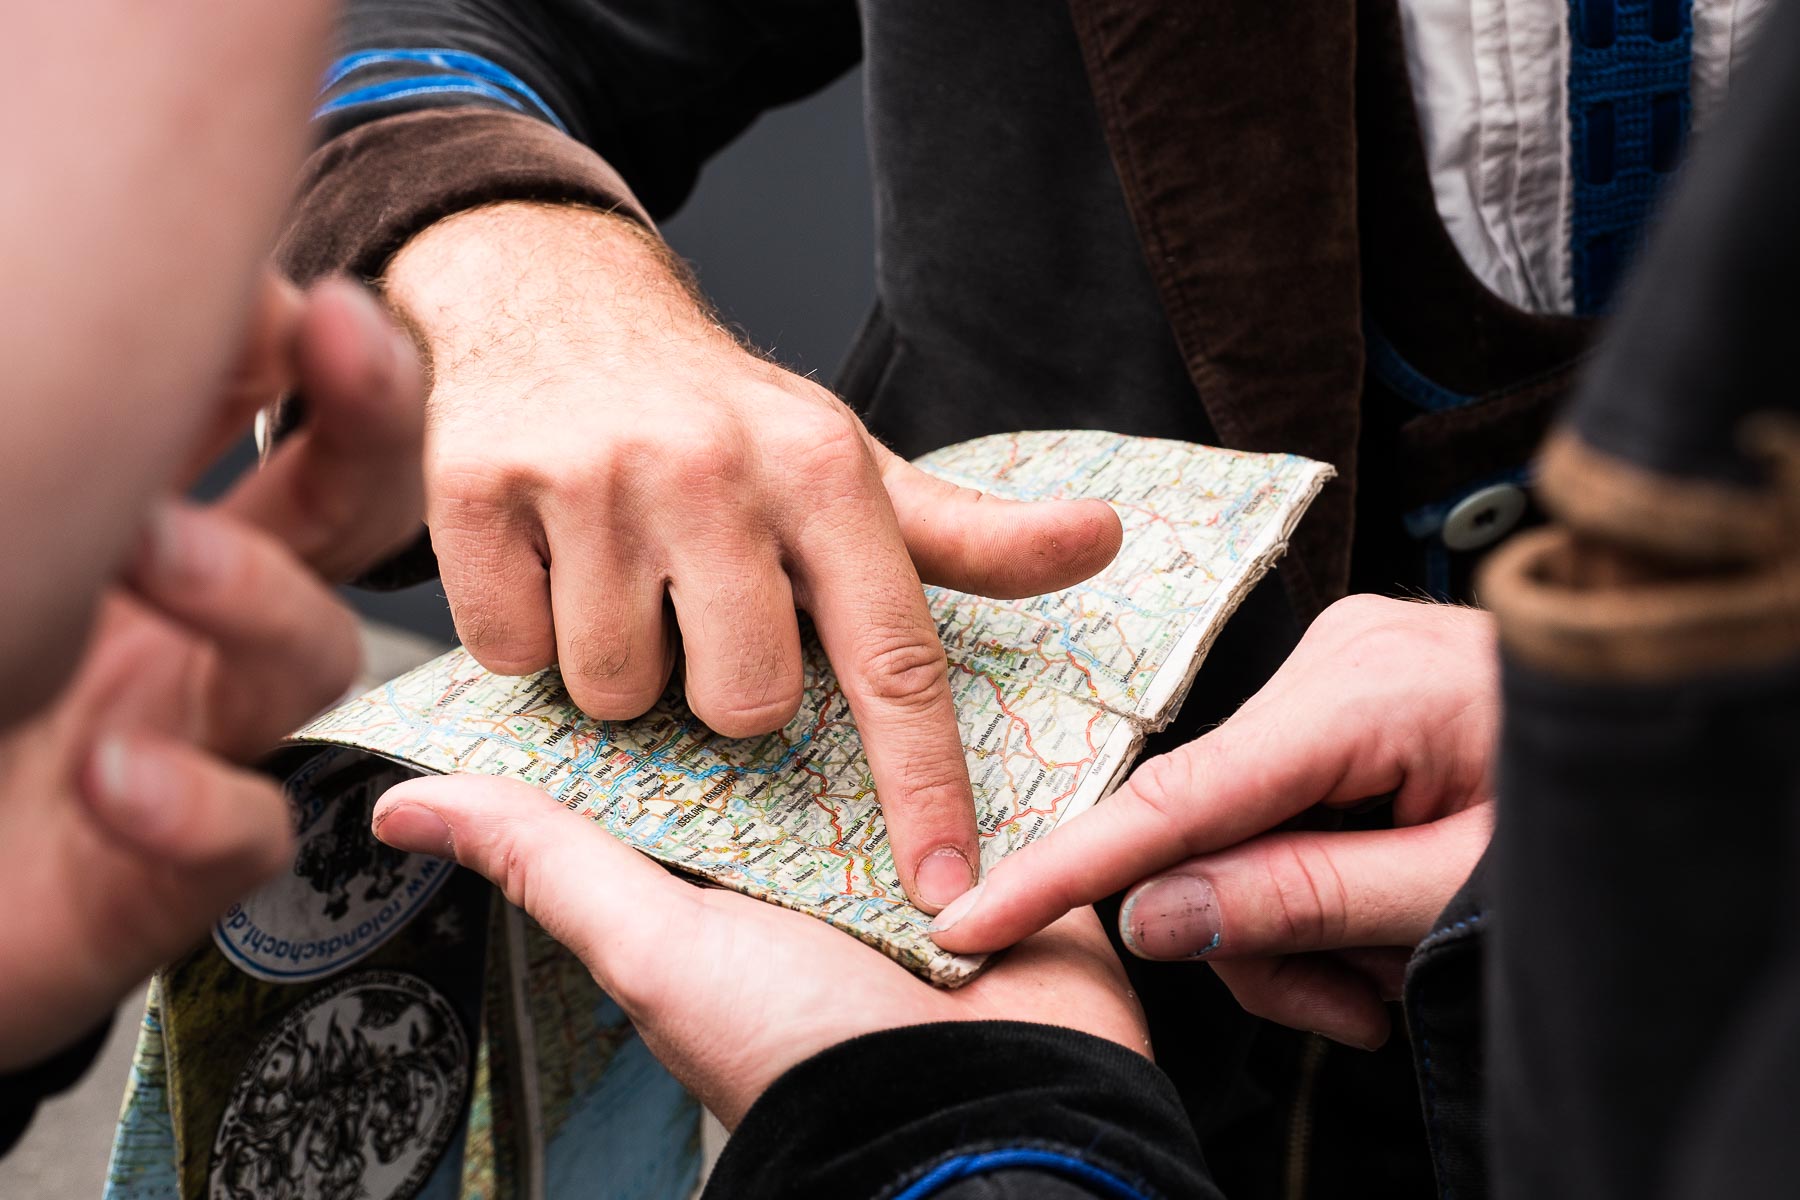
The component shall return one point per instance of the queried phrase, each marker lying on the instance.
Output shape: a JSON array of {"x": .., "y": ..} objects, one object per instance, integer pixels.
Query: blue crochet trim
[
  {"x": 468, "y": 74},
  {"x": 968, "y": 1165},
  {"x": 1629, "y": 111},
  {"x": 1405, "y": 380}
]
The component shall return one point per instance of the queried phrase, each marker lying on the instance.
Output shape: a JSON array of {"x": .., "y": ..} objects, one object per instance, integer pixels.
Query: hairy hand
[
  {"x": 610, "y": 475},
  {"x": 1381, "y": 697}
]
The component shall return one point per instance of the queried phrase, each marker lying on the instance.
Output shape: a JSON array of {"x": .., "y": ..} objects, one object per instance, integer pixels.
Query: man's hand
[
  {"x": 727, "y": 991},
  {"x": 607, "y": 468},
  {"x": 125, "y": 827},
  {"x": 1381, "y": 697}
]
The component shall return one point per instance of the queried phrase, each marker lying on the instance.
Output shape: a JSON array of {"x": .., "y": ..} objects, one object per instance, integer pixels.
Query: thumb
[
  {"x": 615, "y": 908},
  {"x": 1295, "y": 893},
  {"x": 964, "y": 539}
]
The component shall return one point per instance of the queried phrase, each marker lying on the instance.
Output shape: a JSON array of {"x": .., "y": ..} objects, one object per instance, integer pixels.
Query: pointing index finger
[
  {"x": 1216, "y": 791},
  {"x": 869, "y": 608}
]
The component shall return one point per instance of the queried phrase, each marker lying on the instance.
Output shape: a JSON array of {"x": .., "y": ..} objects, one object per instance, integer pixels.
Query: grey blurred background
[{"x": 780, "y": 230}]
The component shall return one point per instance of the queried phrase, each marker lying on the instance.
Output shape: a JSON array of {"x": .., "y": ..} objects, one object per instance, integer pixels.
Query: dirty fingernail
[
  {"x": 943, "y": 875},
  {"x": 415, "y": 828},
  {"x": 1174, "y": 917}
]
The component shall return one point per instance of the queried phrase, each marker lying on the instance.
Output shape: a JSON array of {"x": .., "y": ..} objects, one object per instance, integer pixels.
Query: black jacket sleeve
[
  {"x": 653, "y": 86},
  {"x": 22, "y": 1091},
  {"x": 1644, "y": 1030},
  {"x": 990, "y": 1110},
  {"x": 438, "y": 105}
]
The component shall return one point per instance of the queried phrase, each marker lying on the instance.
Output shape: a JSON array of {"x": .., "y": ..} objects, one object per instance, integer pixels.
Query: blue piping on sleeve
[
  {"x": 969, "y": 1165},
  {"x": 472, "y": 75}
]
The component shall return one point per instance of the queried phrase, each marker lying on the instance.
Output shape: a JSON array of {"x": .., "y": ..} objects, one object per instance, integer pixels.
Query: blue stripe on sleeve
[
  {"x": 472, "y": 74},
  {"x": 968, "y": 1165}
]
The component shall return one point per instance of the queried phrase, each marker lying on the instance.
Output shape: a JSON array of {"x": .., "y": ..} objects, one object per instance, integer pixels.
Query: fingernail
[
  {"x": 178, "y": 549},
  {"x": 415, "y": 828},
  {"x": 957, "y": 909},
  {"x": 943, "y": 875},
  {"x": 1370, "y": 1047},
  {"x": 124, "y": 786},
  {"x": 1174, "y": 917}
]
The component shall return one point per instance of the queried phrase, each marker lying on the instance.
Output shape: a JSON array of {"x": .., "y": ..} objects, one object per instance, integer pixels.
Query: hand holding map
[
  {"x": 1053, "y": 695},
  {"x": 726, "y": 992}
]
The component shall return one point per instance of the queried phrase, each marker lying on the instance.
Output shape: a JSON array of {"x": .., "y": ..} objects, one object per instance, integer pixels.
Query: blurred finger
[
  {"x": 870, "y": 612},
  {"x": 741, "y": 645},
  {"x": 157, "y": 841},
  {"x": 263, "y": 372},
  {"x": 227, "y": 830},
  {"x": 1313, "y": 992},
  {"x": 282, "y": 646},
  {"x": 1289, "y": 893},
  {"x": 967, "y": 540},
  {"x": 345, "y": 490}
]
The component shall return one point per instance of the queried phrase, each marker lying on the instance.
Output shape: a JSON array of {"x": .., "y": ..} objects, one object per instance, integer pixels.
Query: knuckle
[
  {"x": 500, "y": 640},
  {"x": 466, "y": 491},
  {"x": 597, "y": 655},
  {"x": 1354, "y": 617},
  {"x": 606, "y": 680},
  {"x": 822, "y": 424},
  {"x": 512, "y": 872},
  {"x": 907, "y": 673},
  {"x": 709, "y": 456},
  {"x": 1161, "y": 785},
  {"x": 1308, "y": 894},
  {"x": 824, "y": 440}
]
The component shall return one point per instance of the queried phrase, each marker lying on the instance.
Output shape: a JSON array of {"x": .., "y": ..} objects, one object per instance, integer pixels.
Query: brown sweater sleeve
[{"x": 365, "y": 193}]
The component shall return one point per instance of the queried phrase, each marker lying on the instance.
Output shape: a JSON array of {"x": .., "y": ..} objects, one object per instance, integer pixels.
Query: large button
[{"x": 1483, "y": 518}]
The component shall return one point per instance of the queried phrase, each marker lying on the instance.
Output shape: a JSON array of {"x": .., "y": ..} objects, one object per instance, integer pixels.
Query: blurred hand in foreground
[
  {"x": 140, "y": 213},
  {"x": 727, "y": 991},
  {"x": 1312, "y": 929},
  {"x": 125, "y": 827}
]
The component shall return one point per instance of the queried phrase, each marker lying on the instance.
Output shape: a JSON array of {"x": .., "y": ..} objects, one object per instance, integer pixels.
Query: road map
[{"x": 1054, "y": 695}]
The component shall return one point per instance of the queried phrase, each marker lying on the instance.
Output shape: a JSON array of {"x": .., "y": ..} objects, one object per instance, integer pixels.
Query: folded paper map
[{"x": 1054, "y": 695}]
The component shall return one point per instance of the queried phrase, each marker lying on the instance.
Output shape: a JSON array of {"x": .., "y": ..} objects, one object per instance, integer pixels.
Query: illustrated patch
[
  {"x": 346, "y": 893},
  {"x": 354, "y": 1096}
]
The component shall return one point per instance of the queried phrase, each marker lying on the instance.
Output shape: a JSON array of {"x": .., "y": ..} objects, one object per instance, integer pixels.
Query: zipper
[{"x": 1300, "y": 1116}]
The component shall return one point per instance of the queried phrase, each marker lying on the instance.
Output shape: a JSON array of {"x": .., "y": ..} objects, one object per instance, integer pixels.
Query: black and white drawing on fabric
[
  {"x": 354, "y": 1096},
  {"x": 346, "y": 894}
]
